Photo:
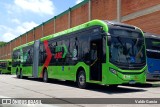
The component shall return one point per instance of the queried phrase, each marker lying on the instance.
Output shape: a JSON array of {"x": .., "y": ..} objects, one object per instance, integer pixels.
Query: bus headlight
[{"x": 113, "y": 71}]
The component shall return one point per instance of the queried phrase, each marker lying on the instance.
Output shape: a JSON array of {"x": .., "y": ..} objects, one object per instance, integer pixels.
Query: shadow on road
[
  {"x": 92, "y": 87},
  {"x": 119, "y": 89},
  {"x": 146, "y": 85}
]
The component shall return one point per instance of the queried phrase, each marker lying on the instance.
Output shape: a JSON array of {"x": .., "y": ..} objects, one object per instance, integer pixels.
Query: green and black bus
[
  {"x": 5, "y": 66},
  {"x": 101, "y": 52}
]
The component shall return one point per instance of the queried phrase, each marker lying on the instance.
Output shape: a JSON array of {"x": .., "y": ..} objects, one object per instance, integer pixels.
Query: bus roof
[
  {"x": 114, "y": 23},
  {"x": 24, "y": 45},
  {"x": 79, "y": 27},
  {"x": 151, "y": 35},
  {"x": 95, "y": 22},
  {"x": 5, "y": 60}
]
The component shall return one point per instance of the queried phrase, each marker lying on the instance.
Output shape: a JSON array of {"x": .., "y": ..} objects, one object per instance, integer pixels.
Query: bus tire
[
  {"x": 81, "y": 79},
  {"x": 45, "y": 76},
  {"x": 21, "y": 75}
]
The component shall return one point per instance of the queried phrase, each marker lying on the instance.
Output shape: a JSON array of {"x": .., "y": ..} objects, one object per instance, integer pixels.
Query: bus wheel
[
  {"x": 21, "y": 75},
  {"x": 45, "y": 76},
  {"x": 81, "y": 79},
  {"x": 113, "y": 86}
]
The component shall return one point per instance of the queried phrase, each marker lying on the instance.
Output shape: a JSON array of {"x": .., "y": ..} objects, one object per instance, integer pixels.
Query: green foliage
[{"x": 2, "y": 43}]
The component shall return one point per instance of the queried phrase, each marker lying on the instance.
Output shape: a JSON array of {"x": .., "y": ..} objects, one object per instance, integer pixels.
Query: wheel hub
[{"x": 81, "y": 79}]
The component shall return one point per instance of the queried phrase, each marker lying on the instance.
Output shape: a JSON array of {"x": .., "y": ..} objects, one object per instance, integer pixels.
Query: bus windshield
[
  {"x": 127, "y": 48},
  {"x": 153, "y": 48}
]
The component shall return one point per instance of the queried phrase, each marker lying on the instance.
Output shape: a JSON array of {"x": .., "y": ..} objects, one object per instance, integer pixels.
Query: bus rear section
[
  {"x": 5, "y": 66},
  {"x": 153, "y": 56},
  {"x": 22, "y": 60}
]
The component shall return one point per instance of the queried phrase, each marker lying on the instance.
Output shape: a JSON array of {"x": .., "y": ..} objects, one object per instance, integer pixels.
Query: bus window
[
  {"x": 152, "y": 48},
  {"x": 84, "y": 43},
  {"x": 65, "y": 42},
  {"x": 42, "y": 54},
  {"x": 72, "y": 48}
]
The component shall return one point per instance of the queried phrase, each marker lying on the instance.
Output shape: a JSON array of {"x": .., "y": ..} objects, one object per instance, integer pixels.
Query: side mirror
[{"x": 109, "y": 40}]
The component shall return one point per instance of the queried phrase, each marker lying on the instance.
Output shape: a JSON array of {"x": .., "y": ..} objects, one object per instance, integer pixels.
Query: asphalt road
[{"x": 11, "y": 87}]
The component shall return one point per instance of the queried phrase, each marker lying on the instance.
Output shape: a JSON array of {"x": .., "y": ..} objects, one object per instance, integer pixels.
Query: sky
[{"x": 20, "y": 16}]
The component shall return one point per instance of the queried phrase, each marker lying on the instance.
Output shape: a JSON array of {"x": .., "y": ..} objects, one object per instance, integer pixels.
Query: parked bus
[
  {"x": 100, "y": 52},
  {"x": 153, "y": 56},
  {"x": 5, "y": 66}
]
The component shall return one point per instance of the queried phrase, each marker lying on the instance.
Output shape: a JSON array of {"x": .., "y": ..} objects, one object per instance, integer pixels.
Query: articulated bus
[
  {"x": 100, "y": 52},
  {"x": 153, "y": 56},
  {"x": 5, "y": 66}
]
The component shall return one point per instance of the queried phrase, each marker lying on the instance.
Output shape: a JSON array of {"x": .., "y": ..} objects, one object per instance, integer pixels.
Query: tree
[{"x": 2, "y": 43}]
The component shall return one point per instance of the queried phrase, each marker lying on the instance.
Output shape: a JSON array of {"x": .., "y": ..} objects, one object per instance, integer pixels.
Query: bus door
[
  {"x": 96, "y": 53},
  {"x": 35, "y": 58}
]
